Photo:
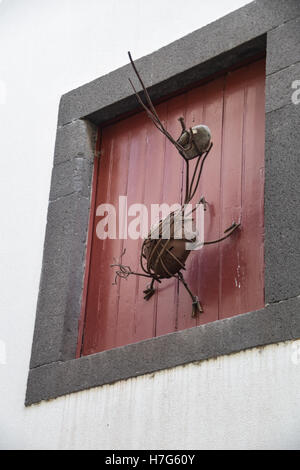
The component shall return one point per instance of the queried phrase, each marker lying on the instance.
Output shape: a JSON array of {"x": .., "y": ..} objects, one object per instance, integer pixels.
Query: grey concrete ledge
[
  {"x": 273, "y": 324},
  {"x": 162, "y": 76}
]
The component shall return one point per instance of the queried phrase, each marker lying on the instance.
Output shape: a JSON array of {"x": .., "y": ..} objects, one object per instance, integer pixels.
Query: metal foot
[
  {"x": 196, "y": 305},
  {"x": 150, "y": 291}
]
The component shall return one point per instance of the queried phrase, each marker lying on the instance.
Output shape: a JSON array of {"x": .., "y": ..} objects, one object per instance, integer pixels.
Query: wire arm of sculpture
[{"x": 151, "y": 112}]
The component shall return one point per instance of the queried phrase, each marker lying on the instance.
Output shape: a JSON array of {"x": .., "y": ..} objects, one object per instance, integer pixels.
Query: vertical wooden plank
[
  {"x": 231, "y": 191},
  {"x": 90, "y": 334},
  {"x": 81, "y": 324},
  {"x": 208, "y": 261},
  {"x": 234, "y": 252},
  {"x": 205, "y": 106},
  {"x": 102, "y": 299},
  {"x": 145, "y": 320},
  {"x": 194, "y": 115},
  {"x": 251, "y": 273},
  {"x": 130, "y": 288},
  {"x": 167, "y": 303}
]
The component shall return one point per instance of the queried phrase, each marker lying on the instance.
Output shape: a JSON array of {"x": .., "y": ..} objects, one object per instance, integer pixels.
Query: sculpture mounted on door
[{"x": 165, "y": 249}]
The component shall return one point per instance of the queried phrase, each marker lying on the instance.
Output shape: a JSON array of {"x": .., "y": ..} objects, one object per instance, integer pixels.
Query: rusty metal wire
[{"x": 158, "y": 258}]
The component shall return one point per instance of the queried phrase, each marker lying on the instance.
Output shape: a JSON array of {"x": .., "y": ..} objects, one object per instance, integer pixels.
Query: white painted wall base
[{"x": 249, "y": 400}]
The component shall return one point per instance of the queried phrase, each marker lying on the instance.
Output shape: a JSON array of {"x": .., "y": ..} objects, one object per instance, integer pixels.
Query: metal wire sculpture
[{"x": 163, "y": 254}]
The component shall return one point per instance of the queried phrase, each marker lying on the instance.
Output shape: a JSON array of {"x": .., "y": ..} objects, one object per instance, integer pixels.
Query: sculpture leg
[
  {"x": 197, "y": 307},
  {"x": 149, "y": 291}
]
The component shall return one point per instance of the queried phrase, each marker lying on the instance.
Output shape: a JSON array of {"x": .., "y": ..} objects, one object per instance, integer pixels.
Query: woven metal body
[{"x": 164, "y": 252}]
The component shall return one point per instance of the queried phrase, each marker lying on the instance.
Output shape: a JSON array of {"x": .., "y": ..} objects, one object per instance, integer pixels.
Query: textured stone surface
[
  {"x": 59, "y": 301},
  {"x": 282, "y": 196},
  {"x": 111, "y": 96},
  {"x": 279, "y": 87},
  {"x": 61, "y": 279},
  {"x": 71, "y": 176},
  {"x": 75, "y": 140},
  {"x": 284, "y": 45},
  {"x": 275, "y": 323}
]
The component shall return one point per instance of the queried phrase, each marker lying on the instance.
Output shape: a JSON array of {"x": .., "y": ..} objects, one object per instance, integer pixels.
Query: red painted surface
[
  {"x": 89, "y": 248},
  {"x": 137, "y": 161}
]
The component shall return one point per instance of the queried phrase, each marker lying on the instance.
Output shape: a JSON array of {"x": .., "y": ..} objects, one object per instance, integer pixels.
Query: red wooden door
[{"x": 137, "y": 161}]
